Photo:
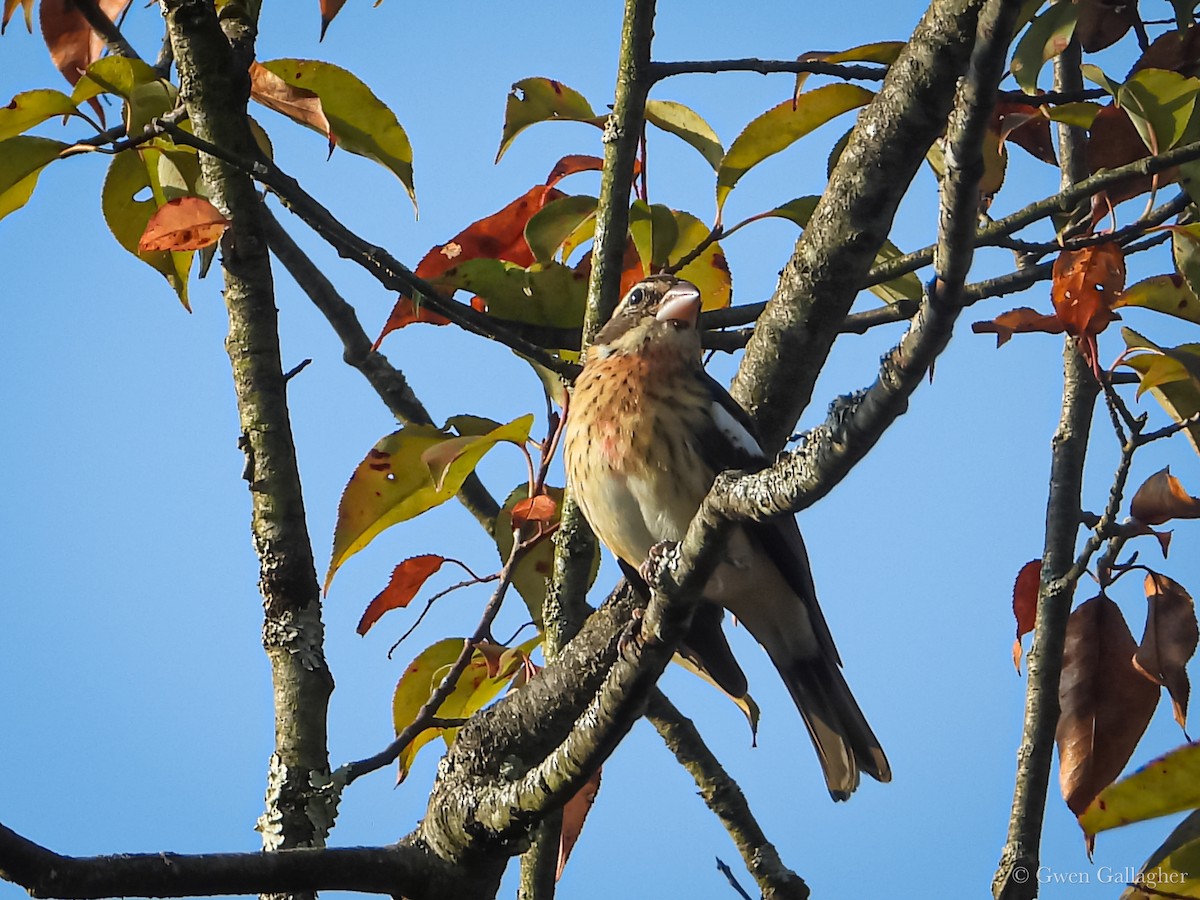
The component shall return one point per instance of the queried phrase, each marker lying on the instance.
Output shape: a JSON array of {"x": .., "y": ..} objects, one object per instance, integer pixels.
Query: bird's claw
[
  {"x": 657, "y": 561},
  {"x": 631, "y": 634}
]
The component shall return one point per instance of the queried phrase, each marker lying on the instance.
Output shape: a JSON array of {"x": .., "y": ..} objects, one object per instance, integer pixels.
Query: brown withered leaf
[
  {"x": 185, "y": 223},
  {"x": 1103, "y": 22},
  {"x": 296, "y": 103},
  {"x": 1025, "y": 596},
  {"x": 407, "y": 578},
  {"x": 1162, "y": 498},
  {"x": 1173, "y": 50},
  {"x": 72, "y": 44},
  {"x": 574, "y": 813},
  {"x": 1169, "y": 640},
  {"x": 1086, "y": 284},
  {"x": 1024, "y": 125},
  {"x": 1021, "y": 320},
  {"x": 1106, "y": 703}
]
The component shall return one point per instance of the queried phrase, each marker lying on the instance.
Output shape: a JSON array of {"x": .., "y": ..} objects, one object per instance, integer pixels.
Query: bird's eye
[{"x": 635, "y": 298}]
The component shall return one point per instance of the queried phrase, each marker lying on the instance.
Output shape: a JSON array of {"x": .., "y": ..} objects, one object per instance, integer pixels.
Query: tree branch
[{"x": 660, "y": 70}]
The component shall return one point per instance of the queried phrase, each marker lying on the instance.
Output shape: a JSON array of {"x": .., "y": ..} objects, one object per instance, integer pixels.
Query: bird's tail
[{"x": 844, "y": 741}]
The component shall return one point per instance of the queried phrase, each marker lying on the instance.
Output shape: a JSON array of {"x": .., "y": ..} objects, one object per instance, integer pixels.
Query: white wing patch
[{"x": 735, "y": 431}]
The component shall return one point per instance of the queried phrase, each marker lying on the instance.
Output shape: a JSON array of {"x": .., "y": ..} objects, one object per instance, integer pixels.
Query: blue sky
[{"x": 137, "y": 715}]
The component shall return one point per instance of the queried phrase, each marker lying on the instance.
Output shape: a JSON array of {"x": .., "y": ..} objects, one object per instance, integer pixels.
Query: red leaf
[
  {"x": 407, "y": 578},
  {"x": 1162, "y": 498},
  {"x": 185, "y": 223},
  {"x": 1024, "y": 125},
  {"x": 1106, "y": 703},
  {"x": 1102, "y": 23},
  {"x": 579, "y": 162},
  {"x": 1169, "y": 640},
  {"x": 574, "y": 813},
  {"x": 1018, "y": 321},
  {"x": 498, "y": 236},
  {"x": 1025, "y": 595},
  {"x": 1112, "y": 142}
]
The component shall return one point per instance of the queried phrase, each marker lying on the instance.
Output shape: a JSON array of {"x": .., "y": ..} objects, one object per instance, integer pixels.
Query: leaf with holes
[
  {"x": 395, "y": 483},
  {"x": 534, "y": 100},
  {"x": 1086, "y": 284}
]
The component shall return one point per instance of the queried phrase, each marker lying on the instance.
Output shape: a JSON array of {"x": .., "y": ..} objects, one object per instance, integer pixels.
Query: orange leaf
[
  {"x": 296, "y": 103},
  {"x": 1169, "y": 640},
  {"x": 185, "y": 223},
  {"x": 407, "y": 578},
  {"x": 539, "y": 509},
  {"x": 1086, "y": 284},
  {"x": 72, "y": 44},
  {"x": 1025, "y": 595},
  {"x": 574, "y": 813},
  {"x": 1162, "y": 498},
  {"x": 329, "y": 9},
  {"x": 1106, "y": 703},
  {"x": 1018, "y": 321}
]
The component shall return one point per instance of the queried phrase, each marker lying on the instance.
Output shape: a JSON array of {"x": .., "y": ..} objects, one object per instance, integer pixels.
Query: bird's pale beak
[{"x": 681, "y": 303}]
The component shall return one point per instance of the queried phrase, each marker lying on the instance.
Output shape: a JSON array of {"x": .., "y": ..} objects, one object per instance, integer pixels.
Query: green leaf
[
  {"x": 780, "y": 127},
  {"x": 1168, "y": 294},
  {"x": 130, "y": 174},
  {"x": 906, "y": 287},
  {"x": 710, "y": 270},
  {"x": 1081, "y": 114},
  {"x": 475, "y": 689},
  {"x": 1047, "y": 36},
  {"x": 359, "y": 121},
  {"x": 1185, "y": 249},
  {"x": 1169, "y": 784},
  {"x": 1096, "y": 76},
  {"x": 1159, "y": 104},
  {"x": 534, "y": 100},
  {"x": 22, "y": 159},
  {"x": 885, "y": 52},
  {"x": 1174, "y": 868},
  {"x": 403, "y": 475},
  {"x": 654, "y": 232},
  {"x": 1172, "y": 375},
  {"x": 147, "y": 102},
  {"x": 548, "y": 294},
  {"x": 112, "y": 75},
  {"x": 550, "y": 227},
  {"x": 31, "y": 108},
  {"x": 685, "y": 123}
]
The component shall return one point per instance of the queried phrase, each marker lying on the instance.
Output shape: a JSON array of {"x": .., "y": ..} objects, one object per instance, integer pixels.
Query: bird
[{"x": 647, "y": 432}]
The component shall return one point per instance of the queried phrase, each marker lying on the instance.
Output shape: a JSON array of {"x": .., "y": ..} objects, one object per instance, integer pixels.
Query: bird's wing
[{"x": 731, "y": 443}]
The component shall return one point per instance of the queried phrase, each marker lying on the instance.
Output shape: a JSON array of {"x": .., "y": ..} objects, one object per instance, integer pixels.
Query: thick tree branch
[
  {"x": 831, "y": 260},
  {"x": 215, "y": 88}
]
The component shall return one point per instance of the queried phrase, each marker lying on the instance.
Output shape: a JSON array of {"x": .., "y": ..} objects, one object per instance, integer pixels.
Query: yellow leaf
[{"x": 1169, "y": 784}]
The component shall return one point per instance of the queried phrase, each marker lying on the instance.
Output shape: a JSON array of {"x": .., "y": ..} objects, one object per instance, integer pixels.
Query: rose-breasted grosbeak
[{"x": 648, "y": 431}]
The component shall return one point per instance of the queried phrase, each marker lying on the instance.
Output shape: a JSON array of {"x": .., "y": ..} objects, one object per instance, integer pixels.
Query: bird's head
[{"x": 660, "y": 310}]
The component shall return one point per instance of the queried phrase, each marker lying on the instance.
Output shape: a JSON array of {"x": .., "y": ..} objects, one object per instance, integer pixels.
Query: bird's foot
[
  {"x": 631, "y": 634},
  {"x": 662, "y": 556}
]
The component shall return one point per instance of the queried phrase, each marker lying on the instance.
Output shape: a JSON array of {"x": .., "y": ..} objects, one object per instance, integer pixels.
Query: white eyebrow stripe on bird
[{"x": 735, "y": 431}]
